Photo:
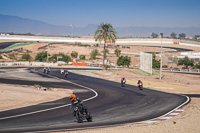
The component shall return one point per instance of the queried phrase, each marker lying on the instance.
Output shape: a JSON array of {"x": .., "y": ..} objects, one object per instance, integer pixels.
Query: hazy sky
[{"x": 120, "y": 13}]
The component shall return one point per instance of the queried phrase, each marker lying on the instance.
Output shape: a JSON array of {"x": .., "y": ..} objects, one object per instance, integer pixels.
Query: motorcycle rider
[
  {"x": 123, "y": 81},
  {"x": 44, "y": 70},
  {"x": 139, "y": 81},
  {"x": 66, "y": 73},
  {"x": 75, "y": 101},
  {"x": 62, "y": 71},
  {"x": 140, "y": 84}
]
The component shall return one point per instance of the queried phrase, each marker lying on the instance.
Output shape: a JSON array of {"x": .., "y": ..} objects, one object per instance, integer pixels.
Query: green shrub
[
  {"x": 74, "y": 54},
  {"x": 117, "y": 52},
  {"x": 12, "y": 56},
  {"x": 82, "y": 57},
  {"x": 124, "y": 61},
  {"x": 26, "y": 57},
  {"x": 66, "y": 58},
  {"x": 186, "y": 62},
  {"x": 155, "y": 63},
  {"x": 93, "y": 54},
  {"x": 42, "y": 56}
]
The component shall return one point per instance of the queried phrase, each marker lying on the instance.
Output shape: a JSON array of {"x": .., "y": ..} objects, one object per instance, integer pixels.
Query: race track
[{"x": 110, "y": 105}]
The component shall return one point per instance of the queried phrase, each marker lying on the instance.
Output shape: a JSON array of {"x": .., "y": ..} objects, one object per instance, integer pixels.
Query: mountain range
[{"x": 24, "y": 25}]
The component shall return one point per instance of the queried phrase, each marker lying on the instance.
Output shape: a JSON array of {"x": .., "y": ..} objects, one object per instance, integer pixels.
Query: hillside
[{"x": 24, "y": 25}]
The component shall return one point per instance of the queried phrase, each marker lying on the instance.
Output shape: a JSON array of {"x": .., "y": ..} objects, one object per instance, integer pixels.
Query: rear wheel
[{"x": 89, "y": 117}]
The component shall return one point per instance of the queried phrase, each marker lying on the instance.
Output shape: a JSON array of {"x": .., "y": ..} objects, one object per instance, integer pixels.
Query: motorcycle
[
  {"x": 81, "y": 113},
  {"x": 46, "y": 70},
  {"x": 123, "y": 82},
  {"x": 62, "y": 71},
  {"x": 140, "y": 86},
  {"x": 66, "y": 74}
]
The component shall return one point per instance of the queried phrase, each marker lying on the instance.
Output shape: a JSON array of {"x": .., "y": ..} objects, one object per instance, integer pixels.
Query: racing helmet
[{"x": 72, "y": 97}]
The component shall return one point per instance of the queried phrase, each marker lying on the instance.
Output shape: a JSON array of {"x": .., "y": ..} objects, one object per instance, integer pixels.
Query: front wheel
[
  {"x": 89, "y": 117},
  {"x": 141, "y": 88},
  {"x": 78, "y": 117}
]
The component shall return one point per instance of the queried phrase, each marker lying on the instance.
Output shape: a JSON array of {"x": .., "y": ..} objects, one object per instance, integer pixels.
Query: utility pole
[
  {"x": 47, "y": 57},
  {"x": 161, "y": 34},
  {"x": 72, "y": 29}
]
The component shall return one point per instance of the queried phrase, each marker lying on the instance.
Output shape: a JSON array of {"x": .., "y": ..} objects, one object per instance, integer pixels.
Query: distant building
[
  {"x": 165, "y": 37},
  {"x": 3, "y": 34}
]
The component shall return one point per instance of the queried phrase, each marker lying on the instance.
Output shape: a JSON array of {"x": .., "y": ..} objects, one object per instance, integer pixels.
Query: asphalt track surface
[
  {"x": 112, "y": 105},
  {"x": 6, "y": 44}
]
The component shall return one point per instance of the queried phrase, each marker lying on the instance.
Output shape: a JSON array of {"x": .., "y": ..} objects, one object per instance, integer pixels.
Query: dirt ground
[{"x": 21, "y": 96}]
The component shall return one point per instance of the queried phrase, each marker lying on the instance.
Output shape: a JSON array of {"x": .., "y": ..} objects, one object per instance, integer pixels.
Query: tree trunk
[{"x": 104, "y": 54}]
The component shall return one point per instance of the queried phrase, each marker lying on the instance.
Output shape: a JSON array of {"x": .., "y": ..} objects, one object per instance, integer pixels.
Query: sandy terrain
[{"x": 15, "y": 96}]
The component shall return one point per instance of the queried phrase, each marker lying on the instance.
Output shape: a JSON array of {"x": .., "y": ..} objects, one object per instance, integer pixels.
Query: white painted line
[
  {"x": 166, "y": 117},
  {"x": 148, "y": 122},
  {"x": 34, "y": 112},
  {"x": 180, "y": 110},
  {"x": 174, "y": 114}
]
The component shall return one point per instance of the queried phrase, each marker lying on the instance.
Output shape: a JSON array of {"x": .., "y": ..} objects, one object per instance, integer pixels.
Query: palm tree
[{"x": 105, "y": 32}]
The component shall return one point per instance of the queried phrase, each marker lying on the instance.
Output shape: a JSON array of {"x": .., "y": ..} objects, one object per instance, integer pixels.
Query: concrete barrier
[{"x": 27, "y": 64}]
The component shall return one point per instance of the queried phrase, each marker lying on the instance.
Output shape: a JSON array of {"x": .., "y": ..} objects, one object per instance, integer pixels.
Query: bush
[
  {"x": 155, "y": 63},
  {"x": 74, "y": 54},
  {"x": 93, "y": 54},
  {"x": 164, "y": 66},
  {"x": 96, "y": 45},
  {"x": 26, "y": 57},
  {"x": 42, "y": 56},
  {"x": 197, "y": 66},
  {"x": 12, "y": 56},
  {"x": 124, "y": 61},
  {"x": 186, "y": 62},
  {"x": 117, "y": 52},
  {"x": 82, "y": 57},
  {"x": 66, "y": 58}
]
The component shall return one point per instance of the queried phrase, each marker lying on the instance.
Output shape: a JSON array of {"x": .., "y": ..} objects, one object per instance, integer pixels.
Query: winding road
[{"x": 109, "y": 103}]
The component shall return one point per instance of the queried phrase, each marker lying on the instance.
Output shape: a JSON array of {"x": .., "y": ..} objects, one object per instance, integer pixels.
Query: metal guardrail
[{"x": 181, "y": 70}]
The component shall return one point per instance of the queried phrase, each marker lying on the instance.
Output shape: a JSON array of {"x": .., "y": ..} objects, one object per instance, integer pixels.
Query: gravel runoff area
[{"x": 19, "y": 96}]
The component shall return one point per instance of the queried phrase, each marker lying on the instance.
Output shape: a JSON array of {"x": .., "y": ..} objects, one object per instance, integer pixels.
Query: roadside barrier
[
  {"x": 4, "y": 64},
  {"x": 27, "y": 64},
  {"x": 79, "y": 64}
]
